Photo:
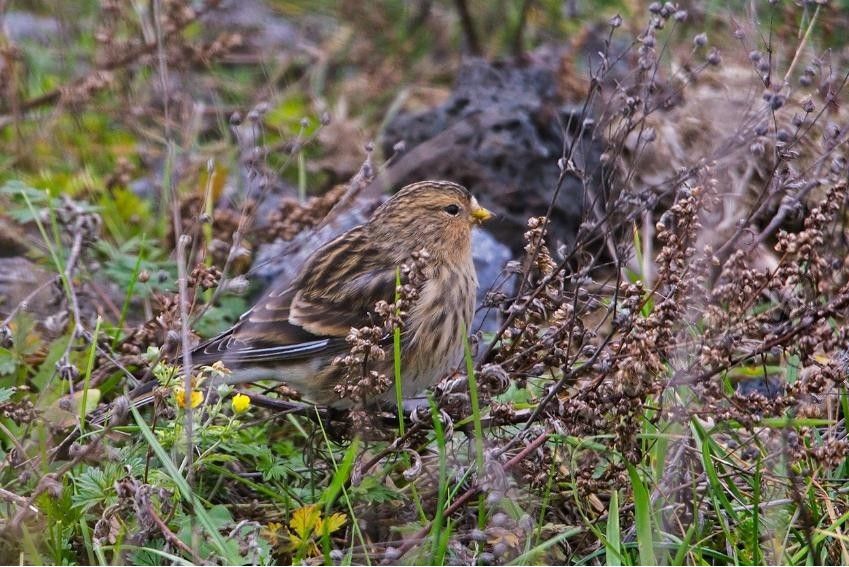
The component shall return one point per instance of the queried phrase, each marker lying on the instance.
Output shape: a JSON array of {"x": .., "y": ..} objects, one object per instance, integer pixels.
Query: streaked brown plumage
[{"x": 293, "y": 334}]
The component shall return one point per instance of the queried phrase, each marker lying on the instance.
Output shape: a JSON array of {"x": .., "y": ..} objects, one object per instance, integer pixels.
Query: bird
[{"x": 295, "y": 333}]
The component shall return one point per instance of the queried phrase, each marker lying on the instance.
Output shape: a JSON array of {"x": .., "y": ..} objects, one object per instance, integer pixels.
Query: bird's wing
[
  {"x": 264, "y": 334},
  {"x": 341, "y": 285},
  {"x": 336, "y": 290}
]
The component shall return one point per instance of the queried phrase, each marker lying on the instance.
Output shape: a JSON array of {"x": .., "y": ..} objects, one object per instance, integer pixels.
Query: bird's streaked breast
[{"x": 438, "y": 324}]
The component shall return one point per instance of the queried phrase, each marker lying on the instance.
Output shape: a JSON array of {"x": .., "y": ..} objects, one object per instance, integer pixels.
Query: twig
[
  {"x": 170, "y": 536},
  {"x": 182, "y": 281},
  {"x": 68, "y": 277},
  {"x": 802, "y": 44},
  {"x": 15, "y": 499}
]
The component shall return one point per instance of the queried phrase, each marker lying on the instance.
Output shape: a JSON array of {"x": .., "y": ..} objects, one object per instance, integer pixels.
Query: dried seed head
[
  {"x": 808, "y": 105},
  {"x": 66, "y": 370},
  {"x": 713, "y": 57},
  {"x": 6, "y": 340}
]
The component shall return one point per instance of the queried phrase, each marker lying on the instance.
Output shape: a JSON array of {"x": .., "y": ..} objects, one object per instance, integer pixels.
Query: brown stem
[
  {"x": 519, "y": 38},
  {"x": 468, "y": 26}
]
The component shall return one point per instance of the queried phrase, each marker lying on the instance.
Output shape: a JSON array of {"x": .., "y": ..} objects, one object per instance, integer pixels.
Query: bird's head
[{"x": 435, "y": 215}]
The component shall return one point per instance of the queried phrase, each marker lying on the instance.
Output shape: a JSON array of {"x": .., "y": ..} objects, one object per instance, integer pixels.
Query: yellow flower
[
  {"x": 240, "y": 403},
  {"x": 180, "y": 397}
]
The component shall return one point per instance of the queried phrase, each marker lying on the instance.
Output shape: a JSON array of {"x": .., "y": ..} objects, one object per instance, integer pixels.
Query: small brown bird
[{"x": 294, "y": 334}]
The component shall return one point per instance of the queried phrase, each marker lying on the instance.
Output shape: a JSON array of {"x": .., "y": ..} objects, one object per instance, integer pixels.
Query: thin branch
[{"x": 468, "y": 26}]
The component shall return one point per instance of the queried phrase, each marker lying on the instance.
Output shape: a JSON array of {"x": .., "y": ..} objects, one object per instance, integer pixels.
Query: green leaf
[
  {"x": 221, "y": 316},
  {"x": 371, "y": 490},
  {"x": 5, "y": 394},
  {"x": 220, "y": 516},
  {"x": 613, "y": 544},
  {"x": 92, "y": 487},
  {"x": 642, "y": 516},
  {"x": 65, "y": 411},
  {"x": 8, "y": 362},
  {"x": 47, "y": 369},
  {"x": 718, "y": 492}
]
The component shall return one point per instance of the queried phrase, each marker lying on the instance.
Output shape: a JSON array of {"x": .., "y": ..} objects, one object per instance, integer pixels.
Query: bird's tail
[{"x": 117, "y": 410}]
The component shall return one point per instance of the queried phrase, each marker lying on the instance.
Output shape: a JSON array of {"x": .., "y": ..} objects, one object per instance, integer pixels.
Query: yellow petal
[
  {"x": 240, "y": 403},
  {"x": 180, "y": 397}
]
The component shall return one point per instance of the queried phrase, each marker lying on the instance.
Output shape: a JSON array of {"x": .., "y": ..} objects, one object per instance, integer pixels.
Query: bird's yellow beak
[{"x": 479, "y": 214}]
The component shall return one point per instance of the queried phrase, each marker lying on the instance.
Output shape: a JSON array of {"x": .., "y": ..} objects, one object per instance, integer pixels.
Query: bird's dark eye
[{"x": 452, "y": 210}]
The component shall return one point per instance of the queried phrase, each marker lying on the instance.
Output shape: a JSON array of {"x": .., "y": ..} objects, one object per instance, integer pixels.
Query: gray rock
[
  {"x": 770, "y": 387},
  {"x": 490, "y": 255},
  {"x": 280, "y": 261},
  {"x": 19, "y": 280},
  {"x": 24, "y": 26},
  {"x": 261, "y": 27}
]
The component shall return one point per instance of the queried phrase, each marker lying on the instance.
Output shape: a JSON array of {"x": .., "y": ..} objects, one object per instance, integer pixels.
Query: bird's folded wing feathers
[
  {"x": 341, "y": 285},
  {"x": 312, "y": 317},
  {"x": 335, "y": 312}
]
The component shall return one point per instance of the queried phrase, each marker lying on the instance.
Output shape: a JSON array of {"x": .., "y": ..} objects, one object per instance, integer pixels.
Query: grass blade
[
  {"x": 613, "y": 543},
  {"x": 439, "y": 542},
  {"x": 530, "y": 555},
  {"x": 642, "y": 517}
]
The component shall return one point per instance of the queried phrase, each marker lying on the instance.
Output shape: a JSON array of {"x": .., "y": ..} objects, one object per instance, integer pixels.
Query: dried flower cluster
[
  {"x": 292, "y": 216},
  {"x": 749, "y": 276},
  {"x": 368, "y": 344}
]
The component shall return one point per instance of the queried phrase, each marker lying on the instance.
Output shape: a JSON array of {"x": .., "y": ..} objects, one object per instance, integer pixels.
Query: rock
[
  {"x": 13, "y": 239},
  {"x": 490, "y": 255},
  {"x": 770, "y": 387},
  {"x": 280, "y": 261},
  {"x": 19, "y": 278},
  {"x": 261, "y": 28},
  {"x": 25, "y": 26}
]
